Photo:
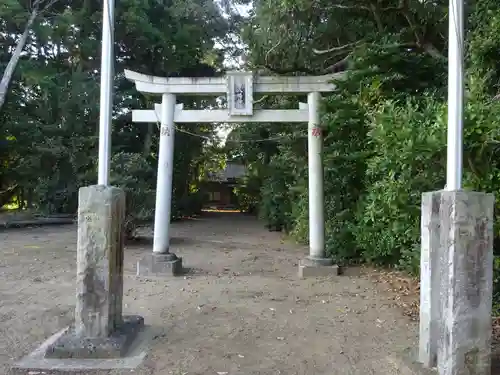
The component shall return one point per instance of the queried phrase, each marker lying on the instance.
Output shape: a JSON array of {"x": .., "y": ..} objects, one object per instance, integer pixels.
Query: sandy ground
[{"x": 240, "y": 310}]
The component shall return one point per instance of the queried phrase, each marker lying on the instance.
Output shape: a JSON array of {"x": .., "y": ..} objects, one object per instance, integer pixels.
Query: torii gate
[{"x": 239, "y": 88}]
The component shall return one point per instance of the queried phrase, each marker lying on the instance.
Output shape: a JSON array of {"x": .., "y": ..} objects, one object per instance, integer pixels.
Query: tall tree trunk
[{"x": 11, "y": 66}]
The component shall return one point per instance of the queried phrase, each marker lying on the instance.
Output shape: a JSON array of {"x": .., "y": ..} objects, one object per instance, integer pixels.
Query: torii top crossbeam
[
  {"x": 218, "y": 85},
  {"x": 239, "y": 88}
]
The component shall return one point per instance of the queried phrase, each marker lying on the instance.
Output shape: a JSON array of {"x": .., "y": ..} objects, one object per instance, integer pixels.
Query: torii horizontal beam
[
  {"x": 221, "y": 115},
  {"x": 218, "y": 85}
]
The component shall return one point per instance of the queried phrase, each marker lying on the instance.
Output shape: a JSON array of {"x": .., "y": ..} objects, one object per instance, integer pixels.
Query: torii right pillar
[{"x": 317, "y": 263}]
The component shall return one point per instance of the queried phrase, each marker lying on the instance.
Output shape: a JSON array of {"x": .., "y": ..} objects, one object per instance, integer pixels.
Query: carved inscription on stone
[
  {"x": 99, "y": 260},
  {"x": 240, "y": 93},
  {"x": 475, "y": 259}
]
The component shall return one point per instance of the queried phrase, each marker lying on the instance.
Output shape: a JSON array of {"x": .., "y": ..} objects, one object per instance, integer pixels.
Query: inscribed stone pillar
[
  {"x": 466, "y": 265},
  {"x": 429, "y": 279},
  {"x": 101, "y": 214}
]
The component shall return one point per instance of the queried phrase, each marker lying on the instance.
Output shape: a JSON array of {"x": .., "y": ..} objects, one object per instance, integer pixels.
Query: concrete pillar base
[
  {"x": 160, "y": 265},
  {"x": 116, "y": 345},
  {"x": 317, "y": 267}
]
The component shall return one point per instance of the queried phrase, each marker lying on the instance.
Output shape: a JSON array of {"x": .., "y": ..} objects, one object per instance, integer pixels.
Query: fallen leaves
[{"x": 405, "y": 292}]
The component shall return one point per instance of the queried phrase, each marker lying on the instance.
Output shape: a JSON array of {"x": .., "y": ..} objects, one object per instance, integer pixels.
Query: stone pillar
[
  {"x": 100, "y": 330},
  {"x": 466, "y": 265},
  {"x": 315, "y": 176},
  {"x": 429, "y": 279},
  {"x": 99, "y": 280},
  {"x": 162, "y": 262},
  {"x": 317, "y": 263},
  {"x": 161, "y": 241}
]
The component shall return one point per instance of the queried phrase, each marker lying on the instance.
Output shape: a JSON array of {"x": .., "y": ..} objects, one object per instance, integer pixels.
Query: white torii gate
[{"x": 239, "y": 88}]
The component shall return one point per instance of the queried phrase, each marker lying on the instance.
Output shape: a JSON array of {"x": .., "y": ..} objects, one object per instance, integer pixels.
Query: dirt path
[{"x": 241, "y": 309}]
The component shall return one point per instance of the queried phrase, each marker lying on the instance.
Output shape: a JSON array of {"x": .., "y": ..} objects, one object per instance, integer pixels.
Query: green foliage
[
  {"x": 384, "y": 127},
  {"x": 134, "y": 174},
  {"x": 248, "y": 194},
  {"x": 48, "y": 124},
  {"x": 345, "y": 151},
  {"x": 408, "y": 143},
  {"x": 189, "y": 204},
  {"x": 276, "y": 202}
]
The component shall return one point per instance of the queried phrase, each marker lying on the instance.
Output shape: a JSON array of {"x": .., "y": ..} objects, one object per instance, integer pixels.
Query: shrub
[
  {"x": 190, "y": 204},
  {"x": 248, "y": 194},
  {"x": 276, "y": 205},
  {"x": 408, "y": 141},
  {"x": 345, "y": 153},
  {"x": 133, "y": 173}
]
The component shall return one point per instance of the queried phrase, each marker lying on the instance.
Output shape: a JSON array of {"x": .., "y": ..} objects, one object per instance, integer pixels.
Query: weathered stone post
[
  {"x": 100, "y": 330},
  {"x": 456, "y": 282},
  {"x": 466, "y": 282},
  {"x": 429, "y": 279}
]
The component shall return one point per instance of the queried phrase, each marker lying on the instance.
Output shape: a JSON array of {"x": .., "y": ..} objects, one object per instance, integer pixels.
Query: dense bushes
[
  {"x": 133, "y": 173},
  {"x": 275, "y": 198},
  {"x": 377, "y": 164},
  {"x": 408, "y": 143},
  {"x": 379, "y": 158},
  {"x": 137, "y": 176},
  {"x": 385, "y": 144},
  {"x": 385, "y": 125}
]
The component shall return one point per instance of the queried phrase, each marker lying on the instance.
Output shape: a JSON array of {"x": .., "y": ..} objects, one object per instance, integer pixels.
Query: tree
[
  {"x": 384, "y": 127},
  {"x": 49, "y": 119},
  {"x": 37, "y": 8}
]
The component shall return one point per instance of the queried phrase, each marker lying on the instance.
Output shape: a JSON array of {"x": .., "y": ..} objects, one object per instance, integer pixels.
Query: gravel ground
[{"x": 240, "y": 309}]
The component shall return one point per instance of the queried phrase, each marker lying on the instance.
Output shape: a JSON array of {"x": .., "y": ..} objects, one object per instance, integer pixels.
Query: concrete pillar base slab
[
  {"x": 159, "y": 265},
  {"x": 406, "y": 363},
  {"x": 317, "y": 262},
  {"x": 116, "y": 345},
  {"x": 37, "y": 363},
  {"x": 317, "y": 267}
]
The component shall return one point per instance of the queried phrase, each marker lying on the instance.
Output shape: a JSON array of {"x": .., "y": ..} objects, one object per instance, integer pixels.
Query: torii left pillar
[
  {"x": 317, "y": 263},
  {"x": 162, "y": 262}
]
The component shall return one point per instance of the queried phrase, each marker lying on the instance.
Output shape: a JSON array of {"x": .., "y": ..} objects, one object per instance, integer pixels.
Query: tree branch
[
  {"x": 339, "y": 66},
  {"x": 433, "y": 51},
  {"x": 48, "y": 5},
  {"x": 337, "y": 49},
  {"x": 266, "y": 58},
  {"x": 376, "y": 15},
  {"x": 293, "y": 69},
  {"x": 339, "y": 6},
  {"x": 14, "y": 60},
  {"x": 428, "y": 47}
]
